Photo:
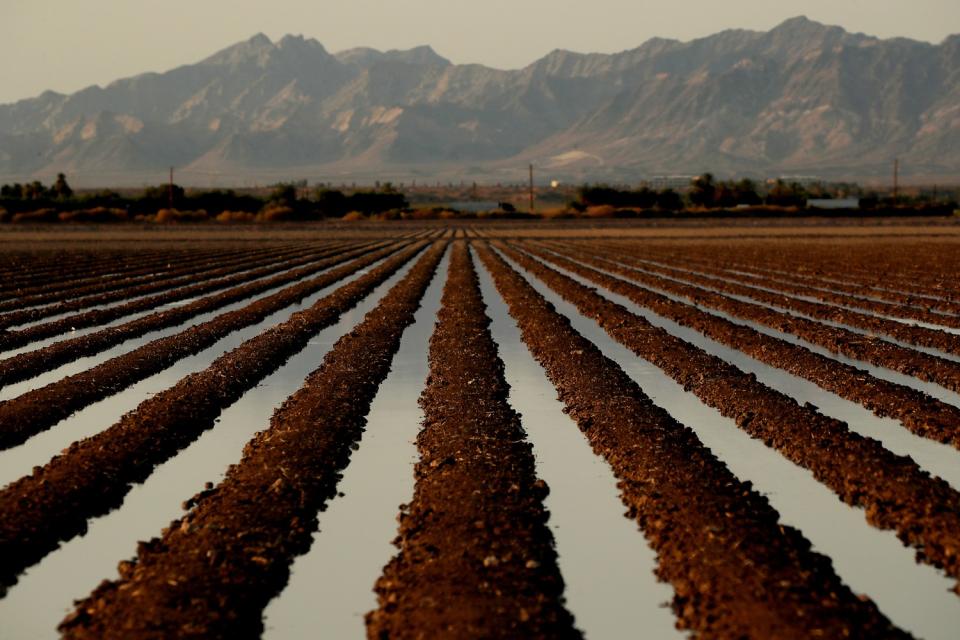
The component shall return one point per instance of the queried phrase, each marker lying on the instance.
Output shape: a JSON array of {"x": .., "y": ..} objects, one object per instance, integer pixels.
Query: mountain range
[{"x": 801, "y": 99}]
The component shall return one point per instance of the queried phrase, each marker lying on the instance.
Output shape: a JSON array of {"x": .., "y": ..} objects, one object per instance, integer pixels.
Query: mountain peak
[
  {"x": 298, "y": 42},
  {"x": 797, "y": 21},
  {"x": 424, "y": 54},
  {"x": 802, "y": 26},
  {"x": 257, "y": 48},
  {"x": 366, "y": 56},
  {"x": 260, "y": 40},
  {"x": 804, "y": 98}
]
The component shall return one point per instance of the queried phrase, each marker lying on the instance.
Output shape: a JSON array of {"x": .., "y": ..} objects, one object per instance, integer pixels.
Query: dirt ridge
[
  {"x": 213, "y": 571},
  {"x": 476, "y": 558}
]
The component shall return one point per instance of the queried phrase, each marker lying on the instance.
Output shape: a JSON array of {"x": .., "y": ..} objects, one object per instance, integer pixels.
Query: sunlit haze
[{"x": 65, "y": 46}]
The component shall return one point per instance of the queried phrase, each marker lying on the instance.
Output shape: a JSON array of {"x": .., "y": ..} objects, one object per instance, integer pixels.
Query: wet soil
[
  {"x": 189, "y": 288},
  {"x": 894, "y": 492},
  {"x": 25, "y": 365},
  {"x": 182, "y": 276},
  {"x": 476, "y": 557},
  {"x": 911, "y": 334},
  {"x": 41, "y": 408},
  {"x": 920, "y": 413},
  {"x": 212, "y": 572},
  {"x": 735, "y": 570},
  {"x": 867, "y": 348},
  {"x": 845, "y": 294},
  {"x": 50, "y": 292}
]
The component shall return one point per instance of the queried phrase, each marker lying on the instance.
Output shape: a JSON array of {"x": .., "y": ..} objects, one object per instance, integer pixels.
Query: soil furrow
[
  {"x": 172, "y": 280},
  {"x": 920, "y": 413},
  {"x": 253, "y": 270},
  {"x": 735, "y": 570},
  {"x": 40, "y": 409},
  {"x": 476, "y": 557},
  {"x": 31, "y": 363},
  {"x": 883, "y": 267},
  {"x": 894, "y": 492},
  {"x": 94, "y": 284},
  {"x": 849, "y": 286},
  {"x": 915, "y": 335},
  {"x": 866, "y": 348},
  {"x": 899, "y": 310},
  {"x": 233, "y": 550},
  {"x": 93, "y": 475},
  {"x": 66, "y": 268}
]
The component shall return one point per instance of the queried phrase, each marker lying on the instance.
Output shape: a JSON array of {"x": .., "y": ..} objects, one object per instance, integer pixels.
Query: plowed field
[{"x": 481, "y": 431}]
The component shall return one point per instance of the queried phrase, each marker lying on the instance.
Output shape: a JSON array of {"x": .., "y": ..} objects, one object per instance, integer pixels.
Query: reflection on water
[
  {"x": 936, "y": 458},
  {"x": 19, "y": 461},
  {"x": 606, "y": 563},
  {"x": 45, "y": 593},
  {"x": 815, "y": 300},
  {"x": 828, "y": 322},
  {"x": 916, "y": 597},
  {"x": 87, "y": 362},
  {"x": 331, "y": 587}
]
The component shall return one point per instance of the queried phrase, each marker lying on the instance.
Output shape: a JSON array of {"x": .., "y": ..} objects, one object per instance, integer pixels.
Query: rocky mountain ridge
[{"x": 803, "y": 98}]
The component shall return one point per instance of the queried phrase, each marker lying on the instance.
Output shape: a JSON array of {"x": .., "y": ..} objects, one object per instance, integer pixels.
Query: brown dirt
[
  {"x": 32, "y": 274},
  {"x": 31, "y": 363},
  {"x": 920, "y": 336},
  {"x": 476, "y": 558},
  {"x": 192, "y": 286},
  {"x": 213, "y": 571},
  {"x": 735, "y": 570},
  {"x": 852, "y": 288},
  {"x": 40, "y": 409},
  {"x": 894, "y": 492},
  {"x": 182, "y": 275},
  {"x": 50, "y": 292},
  {"x": 920, "y": 413},
  {"x": 867, "y": 348},
  {"x": 54, "y": 503},
  {"x": 911, "y": 265}
]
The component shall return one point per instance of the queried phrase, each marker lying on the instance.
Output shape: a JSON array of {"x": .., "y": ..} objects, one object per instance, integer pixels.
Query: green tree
[
  {"x": 61, "y": 189},
  {"x": 669, "y": 200},
  {"x": 284, "y": 193},
  {"x": 787, "y": 195},
  {"x": 13, "y": 191},
  {"x": 331, "y": 203},
  {"x": 704, "y": 191},
  {"x": 34, "y": 190}
]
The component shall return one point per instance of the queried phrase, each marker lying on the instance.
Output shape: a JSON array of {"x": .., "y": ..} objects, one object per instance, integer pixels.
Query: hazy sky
[{"x": 66, "y": 45}]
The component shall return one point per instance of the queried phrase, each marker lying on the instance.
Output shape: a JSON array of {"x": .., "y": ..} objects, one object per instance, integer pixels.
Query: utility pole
[
  {"x": 896, "y": 179},
  {"x": 531, "y": 189},
  {"x": 170, "y": 190}
]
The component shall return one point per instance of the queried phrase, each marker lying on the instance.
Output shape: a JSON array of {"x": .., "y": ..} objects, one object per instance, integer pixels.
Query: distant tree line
[
  {"x": 642, "y": 198},
  {"x": 33, "y": 191},
  {"x": 294, "y": 201},
  {"x": 706, "y": 192},
  {"x": 285, "y": 201}
]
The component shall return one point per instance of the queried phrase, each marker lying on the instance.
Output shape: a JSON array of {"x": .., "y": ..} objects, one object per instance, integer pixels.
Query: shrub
[
  {"x": 276, "y": 213},
  {"x": 236, "y": 216},
  {"x": 176, "y": 216},
  {"x": 354, "y": 215},
  {"x": 96, "y": 214},
  {"x": 41, "y": 215},
  {"x": 601, "y": 211}
]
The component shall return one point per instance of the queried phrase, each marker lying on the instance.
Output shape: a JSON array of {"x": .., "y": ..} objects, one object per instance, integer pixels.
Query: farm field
[{"x": 473, "y": 429}]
